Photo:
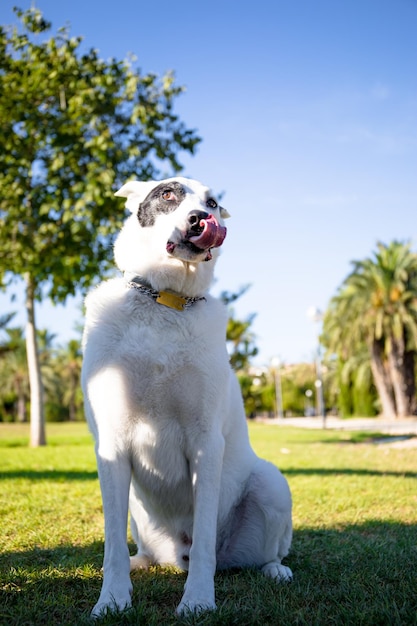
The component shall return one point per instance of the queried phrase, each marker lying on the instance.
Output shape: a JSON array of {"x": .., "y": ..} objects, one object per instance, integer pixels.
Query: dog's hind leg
[
  {"x": 140, "y": 560},
  {"x": 275, "y": 500},
  {"x": 259, "y": 531}
]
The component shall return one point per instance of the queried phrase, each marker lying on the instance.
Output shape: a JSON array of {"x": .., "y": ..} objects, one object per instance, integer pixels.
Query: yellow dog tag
[{"x": 171, "y": 300}]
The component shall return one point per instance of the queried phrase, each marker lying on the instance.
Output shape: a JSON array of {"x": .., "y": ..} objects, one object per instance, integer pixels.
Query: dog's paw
[
  {"x": 139, "y": 561},
  {"x": 195, "y": 605},
  {"x": 280, "y": 573},
  {"x": 111, "y": 605}
]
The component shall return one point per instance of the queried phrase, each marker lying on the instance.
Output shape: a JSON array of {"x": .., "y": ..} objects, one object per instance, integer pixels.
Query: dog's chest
[
  {"x": 161, "y": 350},
  {"x": 159, "y": 461},
  {"x": 171, "y": 366}
]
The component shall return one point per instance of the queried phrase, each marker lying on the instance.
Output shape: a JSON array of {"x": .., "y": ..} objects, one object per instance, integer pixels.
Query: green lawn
[{"x": 354, "y": 553}]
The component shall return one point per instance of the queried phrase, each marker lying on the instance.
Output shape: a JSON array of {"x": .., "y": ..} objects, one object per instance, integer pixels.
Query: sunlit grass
[{"x": 354, "y": 554}]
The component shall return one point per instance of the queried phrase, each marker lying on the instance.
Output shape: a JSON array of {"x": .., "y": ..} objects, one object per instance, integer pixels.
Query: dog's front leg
[
  {"x": 115, "y": 474},
  {"x": 206, "y": 470}
]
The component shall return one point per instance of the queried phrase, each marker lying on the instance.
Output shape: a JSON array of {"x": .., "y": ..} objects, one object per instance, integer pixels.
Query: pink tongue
[{"x": 212, "y": 236}]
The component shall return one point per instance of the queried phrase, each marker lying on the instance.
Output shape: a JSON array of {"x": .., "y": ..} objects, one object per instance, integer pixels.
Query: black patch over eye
[
  {"x": 211, "y": 203},
  {"x": 162, "y": 199}
]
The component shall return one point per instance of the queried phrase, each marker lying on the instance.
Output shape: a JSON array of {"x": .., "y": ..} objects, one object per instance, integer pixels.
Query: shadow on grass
[
  {"x": 53, "y": 475},
  {"x": 344, "y": 437},
  {"x": 62, "y": 475},
  {"x": 365, "y": 437},
  {"x": 345, "y": 471},
  {"x": 357, "y": 574}
]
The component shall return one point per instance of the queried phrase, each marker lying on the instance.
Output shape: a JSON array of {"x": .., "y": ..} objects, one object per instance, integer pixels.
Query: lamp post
[
  {"x": 317, "y": 316},
  {"x": 275, "y": 366},
  {"x": 307, "y": 410}
]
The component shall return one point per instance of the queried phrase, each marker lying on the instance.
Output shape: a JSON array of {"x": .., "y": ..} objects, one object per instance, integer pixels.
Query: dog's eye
[
  {"x": 211, "y": 203},
  {"x": 168, "y": 195}
]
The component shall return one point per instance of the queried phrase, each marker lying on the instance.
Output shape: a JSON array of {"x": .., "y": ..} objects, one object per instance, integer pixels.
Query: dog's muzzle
[
  {"x": 204, "y": 232},
  {"x": 209, "y": 233}
]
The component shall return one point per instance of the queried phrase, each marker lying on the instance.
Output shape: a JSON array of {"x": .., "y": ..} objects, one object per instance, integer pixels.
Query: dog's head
[{"x": 174, "y": 222}]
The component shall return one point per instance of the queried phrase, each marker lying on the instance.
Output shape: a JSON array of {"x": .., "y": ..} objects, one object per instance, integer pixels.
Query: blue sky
[{"x": 308, "y": 115}]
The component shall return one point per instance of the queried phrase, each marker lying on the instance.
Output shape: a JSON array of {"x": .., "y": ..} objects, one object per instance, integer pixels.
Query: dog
[{"x": 166, "y": 411}]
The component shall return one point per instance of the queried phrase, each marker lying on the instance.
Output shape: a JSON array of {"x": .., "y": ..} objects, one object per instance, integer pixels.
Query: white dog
[{"x": 166, "y": 410}]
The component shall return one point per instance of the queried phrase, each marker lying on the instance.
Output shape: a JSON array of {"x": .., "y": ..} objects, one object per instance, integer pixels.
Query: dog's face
[{"x": 176, "y": 217}]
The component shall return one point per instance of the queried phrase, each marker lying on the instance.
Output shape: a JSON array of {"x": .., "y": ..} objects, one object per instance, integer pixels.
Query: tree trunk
[
  {"x": 381, "y": 381},
  {"x": 37, "y": 417},
  {"x": 396, "y": 369},
  {"x": 410, "y": 380},
  {"x": 21, "y": 402},
  {"x": 72, "y": 408}
]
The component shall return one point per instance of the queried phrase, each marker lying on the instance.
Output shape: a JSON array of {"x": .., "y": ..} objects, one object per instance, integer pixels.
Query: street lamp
[
  {"x": 307, "y": 410},
  {"x": 317, "y": 316},
  {"x": 275, "y": 367}
]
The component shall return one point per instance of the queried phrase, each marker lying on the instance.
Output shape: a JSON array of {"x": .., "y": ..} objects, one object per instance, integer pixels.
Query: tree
[
  {"x": 240, "y": 339},
  {"x": 68, "y": 365},
  {"x": 73, "y": 128},
  {"x": 352, "y": 385},
  {"x": 14, "y": 372},
  {"x": 296, "y": 380},
  {"x": 377, "y": 306},
  {"x": 5, "y": 320}
]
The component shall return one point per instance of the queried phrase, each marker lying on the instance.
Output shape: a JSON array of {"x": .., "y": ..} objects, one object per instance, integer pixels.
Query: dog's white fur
[{"x": 169, "y": 424}]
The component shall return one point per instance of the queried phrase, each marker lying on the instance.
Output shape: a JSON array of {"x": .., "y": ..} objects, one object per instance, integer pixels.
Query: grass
[{"x": 354, "y": 554}]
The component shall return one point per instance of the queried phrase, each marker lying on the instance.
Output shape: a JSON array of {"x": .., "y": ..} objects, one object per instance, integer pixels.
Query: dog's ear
[
  {"x": 135, "y": 191},
  {"x": 223, "y": 212}
]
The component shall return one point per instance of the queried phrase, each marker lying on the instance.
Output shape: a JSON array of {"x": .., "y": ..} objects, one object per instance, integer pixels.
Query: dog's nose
[{"x": 194, "y": 220}]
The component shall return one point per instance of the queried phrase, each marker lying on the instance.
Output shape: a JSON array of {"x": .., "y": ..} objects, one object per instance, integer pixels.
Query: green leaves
[
  {"x": 73, "y": 128},
  {"x": 376, "y": 307},
  {"x": 378, "y": 298},
  {"x": 33, "y": 20}
]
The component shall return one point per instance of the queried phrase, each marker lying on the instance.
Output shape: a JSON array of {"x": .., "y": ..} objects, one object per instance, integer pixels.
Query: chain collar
[{"x": 167, "y": 298}]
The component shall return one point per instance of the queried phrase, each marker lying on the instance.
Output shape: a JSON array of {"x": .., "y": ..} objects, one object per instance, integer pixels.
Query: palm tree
[
  {"x": 69, "y": 361},
  {"x": 14, "y": 371},
  {"x": 4, "y": 322},
  {"x": 355, "y": 384},
  {"x": 240, "y": 339},
  {"x": 376, "y": 305}
]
